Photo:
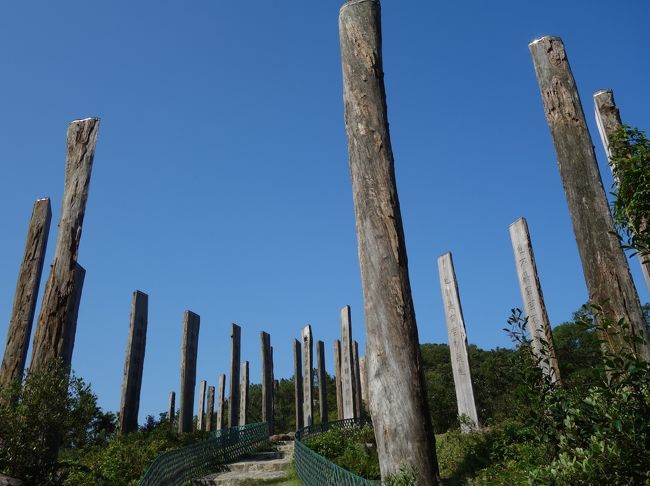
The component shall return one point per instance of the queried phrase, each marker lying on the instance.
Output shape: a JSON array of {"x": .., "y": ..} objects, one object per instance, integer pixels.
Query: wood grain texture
[
  {"x": 134, "y": 363},
  {"x": 297, "y": 374},
  {"x": 171, "y": 412},
  {"x": 235, "y": 355},
  {"x": 60, "y": 290},
  {"x": 222, "y": 401},
  {"x": 307, "y": 376},
  {"x": 357, "y": 379},
  {"x": 209, "y": 414},
  {"x": 605, "y": 267},
  {"x": 70, "y": 322},
  {"x": 608, "y": 120},
  {"x": 364, "y": 385},
  {"x": 243, "y": 397},
  {"x": 397, "y": 393},
  {"x": 337, "y": 372},
  {"x": 539, "y": 326},
  {"x": 200, "y": 413},
  {"x": 24, "y": 307},
  {"x": 189, "y": 350},
  {"x": 322, "y": 381},
  {"x": 457, "y": 343},
  {"x": 267, "y": 381},
  {"x": 348, "y": 392}
]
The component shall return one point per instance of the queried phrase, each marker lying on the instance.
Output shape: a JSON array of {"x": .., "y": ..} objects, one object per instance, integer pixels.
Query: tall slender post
[
  {"x": 267, "y": 381},
  {"x": 364, "y": 384},
  {"x": 608, "y": 119},
  {"x": 337, "y": 371},
  {"x": 274, "y": 387},
  {"x": 222, "y": 401},
  {"x": 398, "y": 398},
  {"x": 603, "y": 262},
  {"x": 347, "y": 365},
  {"x": 235, "y": 352},
  {"x": 322, "y": 381},
  {"x": 307, "y": 376},
  {"x": 297, "y": 381},
  {"x": 357, "y": 379},
  {"x": 209, "y": 421},
  {"x": 172, "y": 407},
  {"x": 49, "y": 339},
  {"x": 29, "y": 281},
  {"x": 243, "y": 400},
  {"x": 539, "y": 326},
  {"x": 134, "y": 363},
  {"x": 191, "y": 322},
  {"x": 71, "y": 314},
  {"x": 200, "y": 413},
  {"x": 457, "y": 343}
]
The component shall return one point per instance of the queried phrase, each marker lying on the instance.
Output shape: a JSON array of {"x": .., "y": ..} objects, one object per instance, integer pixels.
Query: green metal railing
[
  {"x": 316, "y": 470},
  {"x": 227, "y": 445}
]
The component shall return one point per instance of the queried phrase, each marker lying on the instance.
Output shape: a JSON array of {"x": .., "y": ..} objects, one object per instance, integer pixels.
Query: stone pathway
[{"x": 254, "y": 469}]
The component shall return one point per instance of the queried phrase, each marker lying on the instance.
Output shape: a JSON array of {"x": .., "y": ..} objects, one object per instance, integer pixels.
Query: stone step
[
  {"x": 268, "y": 465},
  {"x": 237, "y": 478}
]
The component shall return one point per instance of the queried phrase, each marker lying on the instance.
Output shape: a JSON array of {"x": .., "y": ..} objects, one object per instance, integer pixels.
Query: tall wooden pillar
[
  {"x": 457, "y": 343},
  {"x": 608, "y": 119},
  {"x": 134, "y": 363},
  {"x": 357, "y": 379},
  {"x": 603, "y": 262},
  {"x": 191, "y": 322},
  {"x": 243, "y": 400},
  {"x": 60, "y": 290},
  {"x": 200, "y": 413},
  {"x": 235, "y": 352},
  {"x": 267, "y": 381},
  {"x": 347, "y": 365},
  {"x": 364, "y": 384},
  {"x": 29, "y": 281},
  {"x": 71, "y": 314},
  {"x": 172, "y": 407},
  {"x": 539, "y": 326},
  {"x": 222, "y": 401},
  {"x": 297, "y": 375},
  {"x": 209, "y": 421},
  {"x": 337, "y": 371},
  {"x": 307, "y": 376},
  {"x": 322, "y": 381}
]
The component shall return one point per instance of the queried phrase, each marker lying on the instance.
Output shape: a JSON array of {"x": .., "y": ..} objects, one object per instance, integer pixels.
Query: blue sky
[{"x": 221, "y": 181}]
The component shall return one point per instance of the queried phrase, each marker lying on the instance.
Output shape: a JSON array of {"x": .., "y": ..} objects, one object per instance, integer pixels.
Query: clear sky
[{"x": 221, "y": 181}]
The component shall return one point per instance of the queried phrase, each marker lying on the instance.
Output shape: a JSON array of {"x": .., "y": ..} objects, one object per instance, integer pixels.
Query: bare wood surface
[
  {"x": 200, "y": 413},
  {"x": 60, "y": 289},
  {"x": 267, "y": 381},
  {"x": 348, "y": 392},
  {"x": 457, "y": 342},
  {"x": 243, "y": 398},
  {"x": 235, "y": 354},
  {"x": 357, "y": 379},
  {"x": 337, "y": 372},
  {"x": 191, "y": 324},
  {"x": 297, "y": 375},
  {"x": 364, "y": 384},
  {"x": 307, "y": 376},
  {"x": 172, "y": 407},
  {"x": 539, "y": 326},
  {"x": 605, "y": 267},
  {"x": 134, "y": 363},
  {"x": 209, "y": 414},
  {"x": 397, "y": 393},
  {"x": 322, "y": 381},
  {"x": 24, "y": 307},
  {"x": 222, "y": 401},
  {"x": 72, "y": 312}
]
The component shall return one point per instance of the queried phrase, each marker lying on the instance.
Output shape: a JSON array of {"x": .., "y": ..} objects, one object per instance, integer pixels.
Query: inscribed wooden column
[{"x": 191, "y": 322}]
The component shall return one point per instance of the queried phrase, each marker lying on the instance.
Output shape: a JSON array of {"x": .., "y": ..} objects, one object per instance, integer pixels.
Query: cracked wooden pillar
[
  {"x": 71, "y": 314},
  {"x": 60, "y": 289},
  {"x": 322, "y": 381},
  {"x": 347, "y": 365},
  {"x": 200, "y": 412},
  {"x": 267, "y": 381},
  {"x": 172, "y": 407},
  {"x": 604, "y": 264},
  {"x": 297, "y": 375},
  {"x": 222, "y": 400},
  {"x": 307, "y": 376},
  {"x": 235, "y": 354},
  {"x": 608, "y": 120},
  {"x": 364, "y": 385},
  {"x": 243, "y": 398},
  {"x": 539, "y": 326},
  {"x": 134, "y": 363},
  {"x": 357, "y": 380},
  {"x": 191, "y": 323},
  {"x": 457, "y": 343},
  {"x": 275, "y": 386},
  {"x": 337, "y": 372},
  {"x": 24, "y": 306},
  {"x": 398, "y": 398},
  {"x": 209, "y": 420}
]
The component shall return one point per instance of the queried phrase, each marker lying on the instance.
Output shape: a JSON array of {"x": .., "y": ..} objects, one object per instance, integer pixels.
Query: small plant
[{"x": 407, "y": 476}]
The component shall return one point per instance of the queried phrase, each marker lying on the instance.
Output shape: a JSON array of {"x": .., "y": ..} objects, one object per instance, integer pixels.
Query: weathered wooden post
[
  {"x": 29, "y": 280},
  {"x": 457, "y": 343},
  {"x": 222, "y": 400},
  {"x": 275, "y": 386},
  {"x": 603, "y": 262},
  {"x": 539, "y": 326},
  {"x": 337, "y": 372},
  {"x": 267, "y": 381},
  {"x": 191, "y": 322},
  {"x": 172, "y": 407},
  {"x": 243, "y": 400},
  {"x": 397, "y": 393},
  {"x": 209, "y": 422},
  {"x": 235, "y": 352},
  {"x": 200, "y": 413},
  {"x": 357, "y": 380},
  {"x": 297, "y": 381},
  {"x": 322, "y": 381},
  {"x": 608, "y": 120},
  {"x": 364, "y": 384},
  {"x": 347, "y": 365},
  {"x": 70, "y": 321},
  {"x": 49, "y": 339},
  {"x": 134, "y": 363},
  {"x": 307, "y": 376}
]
